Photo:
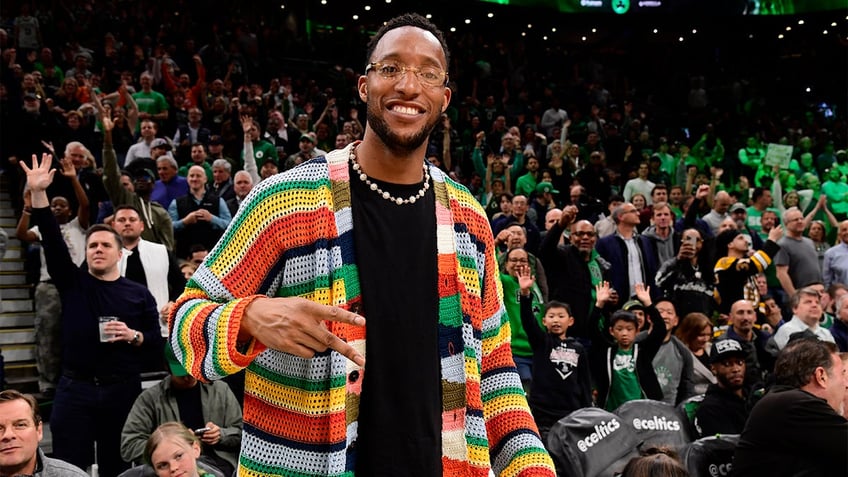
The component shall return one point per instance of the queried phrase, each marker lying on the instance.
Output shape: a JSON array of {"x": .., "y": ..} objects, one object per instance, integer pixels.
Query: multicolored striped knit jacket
[{"x": 293, "y": 237}]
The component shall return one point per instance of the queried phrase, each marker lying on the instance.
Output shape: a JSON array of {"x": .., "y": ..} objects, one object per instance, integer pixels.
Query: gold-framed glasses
[{"x": 428, "y": 75}]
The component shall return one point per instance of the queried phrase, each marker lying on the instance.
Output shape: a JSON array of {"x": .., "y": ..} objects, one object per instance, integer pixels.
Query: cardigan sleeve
[
  {"x": 247, "y": 263},
  {"x": 515, "y": 447}
]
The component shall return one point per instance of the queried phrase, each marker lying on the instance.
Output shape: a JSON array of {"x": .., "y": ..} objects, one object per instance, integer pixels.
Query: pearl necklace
[{"x": 397, "y": 200}]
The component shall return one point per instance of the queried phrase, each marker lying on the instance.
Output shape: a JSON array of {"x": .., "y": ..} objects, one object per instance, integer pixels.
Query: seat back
[
  {"x": 710, "y": 456},
  {"x": 591, "y": 442},
  {"x": 656, "y": 423}
]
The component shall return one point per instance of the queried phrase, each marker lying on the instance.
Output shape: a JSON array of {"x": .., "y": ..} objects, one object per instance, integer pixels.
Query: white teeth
[{"x": 404, "y": 110}]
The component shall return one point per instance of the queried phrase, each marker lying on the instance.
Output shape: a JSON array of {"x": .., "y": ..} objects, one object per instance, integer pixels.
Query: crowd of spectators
[{"x": 643, "y": 231}]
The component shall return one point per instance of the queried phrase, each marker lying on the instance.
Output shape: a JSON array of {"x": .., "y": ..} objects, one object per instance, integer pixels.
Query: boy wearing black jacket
[{"x": 561, "y": 378}]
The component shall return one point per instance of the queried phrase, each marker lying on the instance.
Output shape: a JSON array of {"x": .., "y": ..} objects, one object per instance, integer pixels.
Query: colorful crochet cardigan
[{"x": 293, "y": 237}]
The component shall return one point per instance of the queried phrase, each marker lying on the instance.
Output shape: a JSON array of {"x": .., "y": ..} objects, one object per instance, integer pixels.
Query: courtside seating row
[{"x": 592, "y": 442}]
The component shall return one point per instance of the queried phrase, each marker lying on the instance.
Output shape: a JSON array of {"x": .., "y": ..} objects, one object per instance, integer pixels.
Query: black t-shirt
[{"x": 401, "y": 402}]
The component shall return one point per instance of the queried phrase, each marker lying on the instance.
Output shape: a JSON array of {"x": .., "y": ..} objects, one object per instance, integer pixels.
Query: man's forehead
[{"x": 425, "y": 44}]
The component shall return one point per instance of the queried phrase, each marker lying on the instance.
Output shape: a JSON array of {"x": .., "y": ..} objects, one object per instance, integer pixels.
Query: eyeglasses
[
  {"x": 427, "y": 75},
  {"x": 518, "y": 260},
  {"x": 583, "y": 234}
]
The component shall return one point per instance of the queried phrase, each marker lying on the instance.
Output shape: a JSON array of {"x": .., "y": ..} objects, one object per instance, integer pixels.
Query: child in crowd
[
  {"x": 623, "y": 370},
  {"x": 561, "y": 377},
  {"x": 173, "y": 449}
]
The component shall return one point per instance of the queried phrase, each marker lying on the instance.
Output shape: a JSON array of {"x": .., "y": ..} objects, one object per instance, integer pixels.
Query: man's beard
[{"x": 399, "y": 145}]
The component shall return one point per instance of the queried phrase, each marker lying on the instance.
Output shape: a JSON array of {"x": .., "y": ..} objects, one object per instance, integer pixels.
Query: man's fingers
[
  {"x": 345, "y": 349},
  {"x": 334, "y": 313}
]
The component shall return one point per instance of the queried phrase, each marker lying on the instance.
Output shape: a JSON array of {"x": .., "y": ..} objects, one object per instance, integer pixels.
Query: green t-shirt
[
  {"x": 625, "y": 383},
  {"x": 151, "y": 103},
  {"x": 512, "y": 303},
  {"x": 206, "y": 167}
]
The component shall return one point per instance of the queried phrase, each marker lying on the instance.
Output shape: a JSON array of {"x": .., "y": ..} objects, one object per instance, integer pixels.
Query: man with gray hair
[
  {"x": 222, "y": 181},
  {"x": 806, "y": 313},
  {"x": 797, "y": 262},
  {"x": 632, "y": 257},
  {"x": 170, "y": 184},
  {"x": 242, "y": 185}
]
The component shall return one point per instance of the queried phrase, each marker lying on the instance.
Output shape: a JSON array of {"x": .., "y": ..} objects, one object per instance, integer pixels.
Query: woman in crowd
[{"x": 695, "y": 331}]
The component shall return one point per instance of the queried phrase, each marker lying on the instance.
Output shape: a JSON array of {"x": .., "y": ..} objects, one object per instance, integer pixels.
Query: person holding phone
[{"x": 687, "y": 279}]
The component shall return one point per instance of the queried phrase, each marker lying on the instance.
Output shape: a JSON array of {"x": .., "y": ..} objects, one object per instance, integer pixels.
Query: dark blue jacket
[{"x": 614, "y": 251}]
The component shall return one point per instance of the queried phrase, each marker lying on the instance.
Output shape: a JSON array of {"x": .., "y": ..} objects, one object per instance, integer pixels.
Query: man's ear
[{"x": 362, "y": 86}]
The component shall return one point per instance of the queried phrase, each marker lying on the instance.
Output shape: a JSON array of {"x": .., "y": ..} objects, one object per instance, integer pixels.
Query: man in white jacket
[{"x": 148, "y": 263}]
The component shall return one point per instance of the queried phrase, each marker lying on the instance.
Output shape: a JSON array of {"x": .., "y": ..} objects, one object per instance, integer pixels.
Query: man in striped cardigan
[{"x": 371, "y": 230}]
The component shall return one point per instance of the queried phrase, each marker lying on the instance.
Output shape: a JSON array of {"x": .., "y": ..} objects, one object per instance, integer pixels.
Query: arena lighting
[
  {"x": 582, "y": 38},
  {"x": 594, "y": 30},
  {"x": 356, "y": 17},
  {"x": 824, "y": 32},
  {"x": 789, "y": 28},
  {"x": 694, "y": 31},
  {"x": 680, "y": 38},
  {"x": 428, "y": 16},
  {"x": 545, "y": 37},
  {"x": 833, "y": 24},
  {"x": 780, "y": 37},
  {"x": 453, "y": 29},
  {"x": 656, "y": 31},
  {"x": 800, "y": 22},
  {"x": 323, "y": 2},
  {"x": 467, "y": 21},
  {"x": 367, "y": 8},
  {"x": 490, "y": 15},
  {"x": 282, "y": 7},
  {"x": 524, "y": 33},
  {"x": 808, "y": 89}
]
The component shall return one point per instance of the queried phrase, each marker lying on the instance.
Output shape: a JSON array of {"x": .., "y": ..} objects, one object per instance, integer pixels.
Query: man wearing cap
[
  {"x": 142, "y": 148},
  {"x": 307, "y": 146},
  {"x": 735, "y": 271},
  {"x": 724, "y": 409},
  {"x": 160, "y": 147},
  {"x": 753, "y": 341},
  {"x": 543, "y": 202},
  {"x": 180, "y": 397}
]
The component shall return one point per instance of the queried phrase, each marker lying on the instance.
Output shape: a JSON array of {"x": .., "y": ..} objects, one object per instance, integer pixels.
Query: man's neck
[
  {"x": 747, "y": 336},
  {"x": 107, "y": 276},
  {"x": 662, "y": 232},
  {"x": 626, "y": 230},
  {"x": 380, "y": 161},
  {"x": 131, "y": 244},
  {"x": 794, "y": 235},
  {"x": 811, "y": 322},
  {"x": 198, "y": 193}
]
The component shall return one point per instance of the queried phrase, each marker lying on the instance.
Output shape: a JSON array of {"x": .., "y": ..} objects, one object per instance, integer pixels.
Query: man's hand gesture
[{"x": 40, "y": 176}]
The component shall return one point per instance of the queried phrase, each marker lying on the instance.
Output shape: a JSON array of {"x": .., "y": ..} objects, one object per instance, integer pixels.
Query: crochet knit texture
[{"x": 293, "y": 236}]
